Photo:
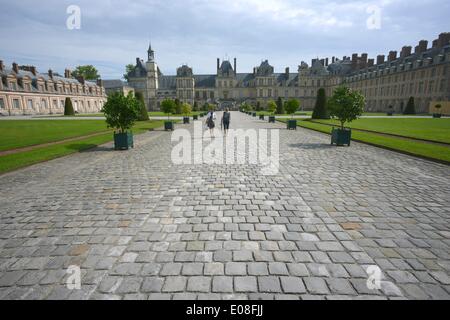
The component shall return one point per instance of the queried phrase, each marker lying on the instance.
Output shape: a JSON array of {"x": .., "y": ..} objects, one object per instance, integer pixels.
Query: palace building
[
  {"x": 422, "y": 74},
  {"x": 24, "y": 91}
]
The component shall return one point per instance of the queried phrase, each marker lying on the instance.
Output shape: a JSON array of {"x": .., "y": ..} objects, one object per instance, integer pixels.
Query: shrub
[
  {"x": 195, "y": 107},
  {"x": 410, "y": 107},
  {"x": 320, "y": 109},
  {"x": 121, "y": 111},
  {"x": 68, "y": 107},
  {"x": 178, "y": 106},
  {"x": 143, "y": 113},
  {"x": 346, "y": 105},
  {"x": 280, "y": 106},
  {"x": 186, "y": 109}
]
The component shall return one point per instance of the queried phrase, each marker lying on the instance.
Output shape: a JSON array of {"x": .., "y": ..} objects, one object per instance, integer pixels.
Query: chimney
[
  {"x": 218, "y": 64},
  {"x": 435, "y": 43},
  {"x": 100, "y": 82},
  {"x": 371, "y": 63},
  {"x": 67, "y": 74},
  {"x": 364, "y": 57},
  {"x": 80, "y": 79},
  {"x": 15, "y": 67},
  {"x": 392, "y": 55},
  {"x": 286, "y": 71},
  {"x": 422, "y": 47},
  {"x": 50, "y": 73},
  {"x": 444, "y": 39},
  {"x": 2, "y": 66},
  {"x": 333, "y": 60},
  {"x": 326, "y": 62},
  {"x": 138, "y": 61},
  {"x": 380, "y": 59},
  {"x": 235, "y": 65},
  {"x": 354, "y": 57},
  {"x": 406, "y": 52}
]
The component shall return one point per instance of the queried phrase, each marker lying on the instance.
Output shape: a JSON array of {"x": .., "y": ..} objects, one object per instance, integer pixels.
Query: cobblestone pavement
[{"x": 143, "y": 228}]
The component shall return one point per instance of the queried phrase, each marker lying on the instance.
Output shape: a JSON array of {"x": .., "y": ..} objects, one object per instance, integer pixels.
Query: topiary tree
[
  {"x": 168, "y": 107},
  {"x": 186, "y": 109},
  {"x": 410, "y": 107},
  {"x": 68, "y": 107},
  {"x": 121, "y": 112},
  {"x": 438, "y": 107},
  {"x": 292, "y": 106},
  {"x": 205, "y": 106},
  {"x": 258, "y": 106},
  {"x": 320, "y": 109},
  {"x": 143, "y": 113},
  {"x": 346, "y": 105},
  {"x": 280, "y": 106},
  {"x": 195, "y": 107},
  {"x": 271, "y": 106}
]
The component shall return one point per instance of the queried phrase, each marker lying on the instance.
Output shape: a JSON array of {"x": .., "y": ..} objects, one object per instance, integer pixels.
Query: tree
[
  {"x": 271, "y": 106},
  {"x": 292, "y": 106},
  {"x": 68, "y": 107},
  {"x": 121, "y": 111},
  {"x": 128, "y": 69},
  {"x": 320, "y": 109},
  {"x": 143, "y": 113},
  {"x": 88, "y": 72},
  {"x": 186, "y": 109},
  {"x": 195, "y": 107},
  {"x": 438, "y": 107},
  {"x": 168, "y": 107},
  {"x": 280, "y": 107},
  {"x": 410, "y": 107},
  {"x": 258, "y": 106},
  {"x": 346, "y": 105},
  {"x": 205, "y": 106},
  {"x": 178, "y": 106}
]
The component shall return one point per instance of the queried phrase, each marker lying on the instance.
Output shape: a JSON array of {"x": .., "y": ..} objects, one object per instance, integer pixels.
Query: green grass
[
  {"x": 299, "y": 113},
  {"x": 421, "y": 149},
  {"x": 162, "y": 114},
  {"x": 19, "y": 160},
  {"x": 22, "y": 133},
  {"x": 427, "y": 129}
]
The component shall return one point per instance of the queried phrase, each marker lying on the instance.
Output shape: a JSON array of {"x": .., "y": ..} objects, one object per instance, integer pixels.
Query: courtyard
[{"x": 140, "y": 227}]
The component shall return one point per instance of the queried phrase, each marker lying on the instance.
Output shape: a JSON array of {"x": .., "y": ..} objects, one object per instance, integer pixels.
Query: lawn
[
  {"x": 427, "y": 129},
  {"x": 162, "y": 114},
  {"x": 22, "y": 133},
  {"x": 299, "y": 113},
  {"x": 19, "y": 160},
  {"x": 421, "y": 149}
]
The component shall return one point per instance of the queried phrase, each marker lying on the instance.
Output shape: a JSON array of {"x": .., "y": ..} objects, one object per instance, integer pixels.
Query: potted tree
[
  {"x": 437, "y": 115},
  {"x": 121, "y": 112},
  {"x": 271, "y": 108},
  {"x": 345, "y": 105},
  {"x": 291, "y": 108},
  {"x": 390, "y": 113},
  {"x": 186, "y": 109},
  {"x": 143, "y": 113},
  {"x": 168, "y": 107}
]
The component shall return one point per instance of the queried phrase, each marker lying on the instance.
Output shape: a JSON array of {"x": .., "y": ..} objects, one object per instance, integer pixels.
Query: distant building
[
  {"x": 24, "y": 91},
  {"x": 117, "y": 86},
  {"x": 423, "y": 74}
]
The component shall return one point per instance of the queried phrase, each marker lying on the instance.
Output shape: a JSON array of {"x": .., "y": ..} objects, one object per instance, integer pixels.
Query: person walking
[
  {"x": 226, "y": 118},
  {"x": 210, "y": 122}
]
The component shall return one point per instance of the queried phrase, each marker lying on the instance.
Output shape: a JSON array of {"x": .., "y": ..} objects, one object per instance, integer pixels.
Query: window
[
  {"x": 55, "y": 103},
  {"x": 270, "y": 93},
  {"x": 44, "y": 103},
  {"x": 16, "y": 103},
  {"x": 61, "y": 103},
  {"x": 14, "y": 86},
  {"x": 30, "y": 104},
  {"x": 2, "y": 103},
  {"x": 211, "y": 95}
]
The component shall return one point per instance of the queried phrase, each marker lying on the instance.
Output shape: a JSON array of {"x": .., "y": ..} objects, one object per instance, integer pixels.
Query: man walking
[{"x": 226, "y": 117}]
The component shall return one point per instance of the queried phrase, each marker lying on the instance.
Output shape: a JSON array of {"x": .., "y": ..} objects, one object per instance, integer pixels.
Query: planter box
[
  {"x": 261, "y": 117},
  {"x": 271, "y": 119},
  {"x": 186, "y": 120},
  {"x": 123, "y": 141},
  {"x": 292, "y": 125},
  {"x": 341, "y": 137},
  {"x": 254, "y": 114},
  {"x": 437, "y": 115},
  {"x": 195, "y": 117},
  {"x": 390, "y": 114},
  {"x": 169, "y": 125}
]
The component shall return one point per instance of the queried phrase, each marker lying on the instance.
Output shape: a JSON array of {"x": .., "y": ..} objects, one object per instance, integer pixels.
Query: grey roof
[
  {"x": 226, "y": 67},
  {"x": 205, "y": 81},
  {"x": 112, "y": 84},
  {"x": 167, "y": 82}
]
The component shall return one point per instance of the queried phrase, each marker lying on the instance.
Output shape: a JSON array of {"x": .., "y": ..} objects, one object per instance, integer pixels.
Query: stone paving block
[{"x": 245, "y": 284}]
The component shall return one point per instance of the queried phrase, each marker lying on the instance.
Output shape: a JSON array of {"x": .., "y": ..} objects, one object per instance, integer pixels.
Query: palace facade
[
  {"x": 423, "y": 74},
  {"x": 24, "y": 91}
]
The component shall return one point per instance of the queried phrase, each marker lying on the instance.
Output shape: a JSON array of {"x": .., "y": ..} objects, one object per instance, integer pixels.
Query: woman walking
[
  {"x": 210, "y": 122},
  {"x": 226, "y": 117}
]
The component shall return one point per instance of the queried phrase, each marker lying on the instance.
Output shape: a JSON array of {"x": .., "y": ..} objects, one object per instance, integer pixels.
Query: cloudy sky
[{"x": 114, "y": 32}]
